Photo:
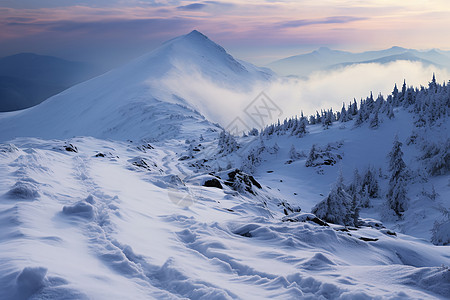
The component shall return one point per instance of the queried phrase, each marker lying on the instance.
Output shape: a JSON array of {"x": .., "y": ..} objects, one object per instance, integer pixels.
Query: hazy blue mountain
[
  {"x": 27, "y": 79},
  {"x": 409, "y": 56},
  {"x": 325, "y": 58}
]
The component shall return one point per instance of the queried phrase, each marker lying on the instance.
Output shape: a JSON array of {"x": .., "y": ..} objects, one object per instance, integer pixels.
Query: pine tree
[
  {"x": 397, "y": 196},
  {"x": 395, "y": 96},
  {"x": 375, "y": 121},
  {"x": 355, "y": 186},
  {"x": 299, "y": 129},
  {"x": 370, "y": 104},
  {"x": 360, "y": 116},
  {"x": 379, "y": 103},
  {"x": 354, "y": 107},
  {"x": 253, "y": 132},
  {"x": 390, "y": 111},
  {"x": 227, "y": 143},
  {"x": 343, "y": 117},
  {"x": 364, "y": 198},
  {"x": 402, "y": 95},
  {"x": 293, "y": 154},
  {"x": 370, "y": 182},
  {"x": 312, "y": 156},
  {"x": 339, "y": 207},
  {"x": 432, "y": 86},
  {"x": 328, "y": 120}
]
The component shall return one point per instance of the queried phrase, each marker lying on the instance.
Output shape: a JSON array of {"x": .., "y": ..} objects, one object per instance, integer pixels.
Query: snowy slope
[
  {"x": 360, "y": 149},
  {"x": 76, "y": 225},
  {"x": 131, "y": 102}
]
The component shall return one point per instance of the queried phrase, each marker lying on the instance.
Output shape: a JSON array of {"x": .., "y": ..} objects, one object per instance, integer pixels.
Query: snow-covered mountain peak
[
  {"x": 141, "y": 99},
  {"x": 196, "y": 52},
  {"x": 324, "y": 49},
  {"x": 195, "y": 34}
]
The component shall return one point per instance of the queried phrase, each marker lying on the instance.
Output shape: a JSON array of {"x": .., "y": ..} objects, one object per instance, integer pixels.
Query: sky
[{"x": 111, "y": 32}]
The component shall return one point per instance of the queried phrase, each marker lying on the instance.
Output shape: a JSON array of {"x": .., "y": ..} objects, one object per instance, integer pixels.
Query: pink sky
[{"x": 258, "y": 31}]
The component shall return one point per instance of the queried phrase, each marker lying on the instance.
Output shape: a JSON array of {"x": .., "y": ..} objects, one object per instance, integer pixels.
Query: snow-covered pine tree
[
  {"x": 375, "y": 121},
  {"x": 360, "y": 117},
  {"x": 312, "y": 156},
  {"x": 338, "y": 207},
  {"x": 253, "y": 157},
  {"x": 354, "y": 107},
  {"x": 343, "y": 116},
  {"x": 300, "y": 126},
  {"x": 327, "y": 120},
  {"x": 253, "y": 132},
  {"x": 397, "y": 198},
  {"x": 379, "y": 103},
  {"x": 432, "y": 86},
  {"x": 370, "y": 104},
  {"x": 355, "y": 186},
  {"x": 293, "y": 154},
  {"x": 440, "y": 234},
  {"x": 402, "y": 95},
  {"x": 390, "y": 110},
  {"x": 364, "y": 198},
  {"x": 227, "y": 143},
  {"x": 436, "y": 157},
  {"x": 395, "y": 100},
  {"x": 371, "y": 183}
]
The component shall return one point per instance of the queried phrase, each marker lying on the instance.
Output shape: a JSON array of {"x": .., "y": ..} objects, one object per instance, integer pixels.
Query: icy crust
[{"x": 103, "y": 227}]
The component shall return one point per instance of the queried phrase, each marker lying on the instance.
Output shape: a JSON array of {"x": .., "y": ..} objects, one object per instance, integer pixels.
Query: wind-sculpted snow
[{"x": 103, "y": 227}]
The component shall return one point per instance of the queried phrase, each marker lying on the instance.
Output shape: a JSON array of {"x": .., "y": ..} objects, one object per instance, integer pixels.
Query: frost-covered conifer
[
  {"x": 312, "y": 156},
  {"x": 338, "y": 207},
  {"x": 227, "y": 143},
  {"x": 397, "y": 196},
  {"x": 375, "y": 121}
]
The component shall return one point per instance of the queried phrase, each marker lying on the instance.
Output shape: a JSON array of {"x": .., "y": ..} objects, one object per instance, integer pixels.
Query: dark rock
[
  {"x": 145, "y": 147},
  {"x": 71, "y": 148},
  {"x": 304, "y": 217},
  {"x": 241, "y": 181},
  {"x": 367, "y": 239},
  {"x": 319, "y": 221},
  {"x": 213, "y": 182},
  {"x": 255, "y": 183}
]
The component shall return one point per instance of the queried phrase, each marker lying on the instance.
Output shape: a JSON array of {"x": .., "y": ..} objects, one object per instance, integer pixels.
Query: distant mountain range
[
  {"x": 27, "y": 79},
  {"x": 325, "y": 59}
]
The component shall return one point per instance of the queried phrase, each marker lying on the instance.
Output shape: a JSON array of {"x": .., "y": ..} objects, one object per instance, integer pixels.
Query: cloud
[
  {"x": 323, "y": 90},
  {"x": 192, "y": 6},
  {"x": 329, "y": 20},
  {"x": 117, "y": 26}
]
